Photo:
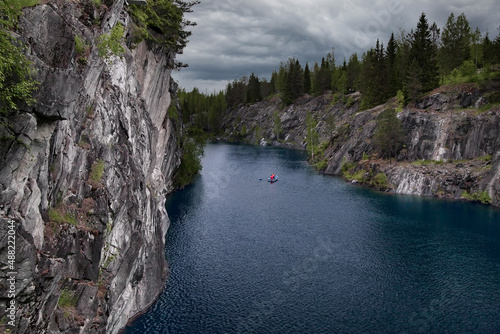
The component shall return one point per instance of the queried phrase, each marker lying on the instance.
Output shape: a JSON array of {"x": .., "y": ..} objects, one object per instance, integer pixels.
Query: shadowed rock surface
[{"x": 84, "y": 174}]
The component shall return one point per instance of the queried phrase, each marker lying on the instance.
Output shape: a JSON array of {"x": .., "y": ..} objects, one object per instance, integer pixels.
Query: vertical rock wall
[
  {"x": 84, "y": 174},
  {"x": 442, "y": 127}
]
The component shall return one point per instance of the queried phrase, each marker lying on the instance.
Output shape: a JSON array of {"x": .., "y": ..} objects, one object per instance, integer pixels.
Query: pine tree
[
  {"x": 455, "y": 43},
  {"x": 273, "y": 83},
  {"x": 294, "y": 85},
  {"x": 253, "y": 91},
  {"x": 353, "y": 73},
  {"x": 476, "y": 50},
  {"x": 315, "y": 83},
  {"x": 423, "y": 51},
  {"x": 392, "y": 77},
  {"x": 307, "y": 79}
]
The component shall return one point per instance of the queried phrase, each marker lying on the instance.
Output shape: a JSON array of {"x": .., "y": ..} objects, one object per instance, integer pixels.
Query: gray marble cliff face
[
  {"x": 84, "y": 175},
  {"x": 441, "y": 127}
]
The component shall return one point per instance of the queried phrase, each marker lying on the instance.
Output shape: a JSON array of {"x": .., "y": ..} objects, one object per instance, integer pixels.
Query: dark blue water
[{"x": 313, "y": 254}]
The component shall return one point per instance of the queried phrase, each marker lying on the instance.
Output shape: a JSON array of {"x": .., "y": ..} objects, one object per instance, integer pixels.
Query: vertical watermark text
[{"x": 11, "y": 306}]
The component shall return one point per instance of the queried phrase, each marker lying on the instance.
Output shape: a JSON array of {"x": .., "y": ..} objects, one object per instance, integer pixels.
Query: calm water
[{"x": 312, "y": 254}]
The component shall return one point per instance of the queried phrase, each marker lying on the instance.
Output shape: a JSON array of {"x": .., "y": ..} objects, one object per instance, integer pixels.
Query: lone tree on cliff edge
[{"x": 389, "y": 135}]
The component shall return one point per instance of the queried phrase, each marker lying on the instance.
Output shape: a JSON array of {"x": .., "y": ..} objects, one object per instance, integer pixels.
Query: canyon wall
[
  {"x": 84, "y": 174},
  {"x": 452, "y": 139}
]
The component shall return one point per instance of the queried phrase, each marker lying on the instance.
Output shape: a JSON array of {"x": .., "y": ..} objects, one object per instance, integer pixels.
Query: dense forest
[{"x": 409, "y": 65}]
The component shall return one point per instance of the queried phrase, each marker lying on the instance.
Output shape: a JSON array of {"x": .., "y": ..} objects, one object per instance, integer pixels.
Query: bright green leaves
[
  {"x": 110, "y": 44},
  {"x": 16, "y": 72}
]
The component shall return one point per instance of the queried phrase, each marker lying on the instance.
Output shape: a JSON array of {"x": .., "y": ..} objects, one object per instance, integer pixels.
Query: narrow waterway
[{"x": 313, "y": 254}]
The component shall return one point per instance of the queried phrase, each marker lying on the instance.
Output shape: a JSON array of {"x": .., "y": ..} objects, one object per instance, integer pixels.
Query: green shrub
[
  {"x": 321, "y": 165},
  {"x": 380, "y": 181},
  {"x": 486, "y": 158},
  {"x": 138, "y": 34},
  {"x": 57, "y": 215},
  {"x": 350, "y": 101},
  {"x": 400, "y": 98},
  {"x": 359, "y": 176},
  {"x": 347, "y": 167},
  {"x": 97, "y": 171},
  {"x": 482, "y": 197},
  {"x": 173, "y": 113},
  {"x": 110, "y": 44},
  {"x": 17, "y": 82},
  {"x": 192, "y": 150},
  {"x": 467, "y": 68},
  {"x": 80, "y": 45},
  {"x": 66, "y": 299},
  {"x": 162, "y": 22}
]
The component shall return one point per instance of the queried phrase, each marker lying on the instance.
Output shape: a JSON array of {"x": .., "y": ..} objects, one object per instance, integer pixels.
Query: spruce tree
[
  {"x": 424, "y": 53},
  {"x": 307, "y": 79},
  {"x": 353, "y": 73},
  {"x": 392, "y": 78},
  {"x": 294, "y": 85},
  {"x": 253, "y": 92}
]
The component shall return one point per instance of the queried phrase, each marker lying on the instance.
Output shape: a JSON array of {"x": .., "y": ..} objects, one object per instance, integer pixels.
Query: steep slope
[
  {"x": 452, "y": 148},
  {"x": 84, "y": 174}
]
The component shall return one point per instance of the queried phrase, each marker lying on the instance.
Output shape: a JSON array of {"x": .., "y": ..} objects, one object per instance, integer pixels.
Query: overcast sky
[{"x": 234, "y": 38}]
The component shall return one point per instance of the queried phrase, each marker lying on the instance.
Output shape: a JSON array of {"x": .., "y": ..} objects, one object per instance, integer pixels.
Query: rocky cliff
[
  {"x": 452, "y": 144},
  {"x": 83, "y": 178}
]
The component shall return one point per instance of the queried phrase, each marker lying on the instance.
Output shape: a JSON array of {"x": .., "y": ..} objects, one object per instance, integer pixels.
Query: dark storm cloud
[{"x": 235, "y": 38}]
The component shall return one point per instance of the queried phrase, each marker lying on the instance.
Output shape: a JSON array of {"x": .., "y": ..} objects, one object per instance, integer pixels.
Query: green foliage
[
  {"x": 389, "y": 136},
  {"x": 307, "y": 79},
  {"x": 380, "y": 181},
  {"x": 110, "y": 44},
  {"x": 400, "y": 98},
  {"x": 253, "y": 91},
  {"x": 349, "y": 102},
  {"x": 294, "y": 84},
  {"x": 204, "y": 111},
  {"x": 97, "y": 171},
  {"x": 173, "y": 113},
  {"x": 80, "y": 45},
  {"x": 192, "y": 145},
  {"x": 258, "y": 135},
  {"x": 482, "y": 197},
  {"x": 10, "y": 11},
  {"x": 312, "y": 138},
  {"x": 455, "y": 43},
  {"x": 138, "y": 34},
  {"x": 350, "y": 172},
  {"x": 467, "y": 68},
  {"x": 347, "y": 168},
  {"x": 16, "y": 72},
  {"x": 427, "y": 162},
  {"x": 96, "y": 3},
  {"x": 366, "y": 156},
  {"x": 67, "y": 299},
  {"x": 321, "y": 164},
  {"x": 423, "y": 51},
  {"x": 162, "y": 22},
  {"x": 58, "y": 215},
  {"x": 486, "y": 158}
]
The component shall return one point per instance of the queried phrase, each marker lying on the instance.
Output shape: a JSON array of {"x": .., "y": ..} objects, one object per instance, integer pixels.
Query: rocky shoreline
[{"x": 452, "y": 140}]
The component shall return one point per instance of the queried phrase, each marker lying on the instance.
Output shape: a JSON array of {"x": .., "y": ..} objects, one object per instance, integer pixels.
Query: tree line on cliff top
[{"x": 414, "y": 62}]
